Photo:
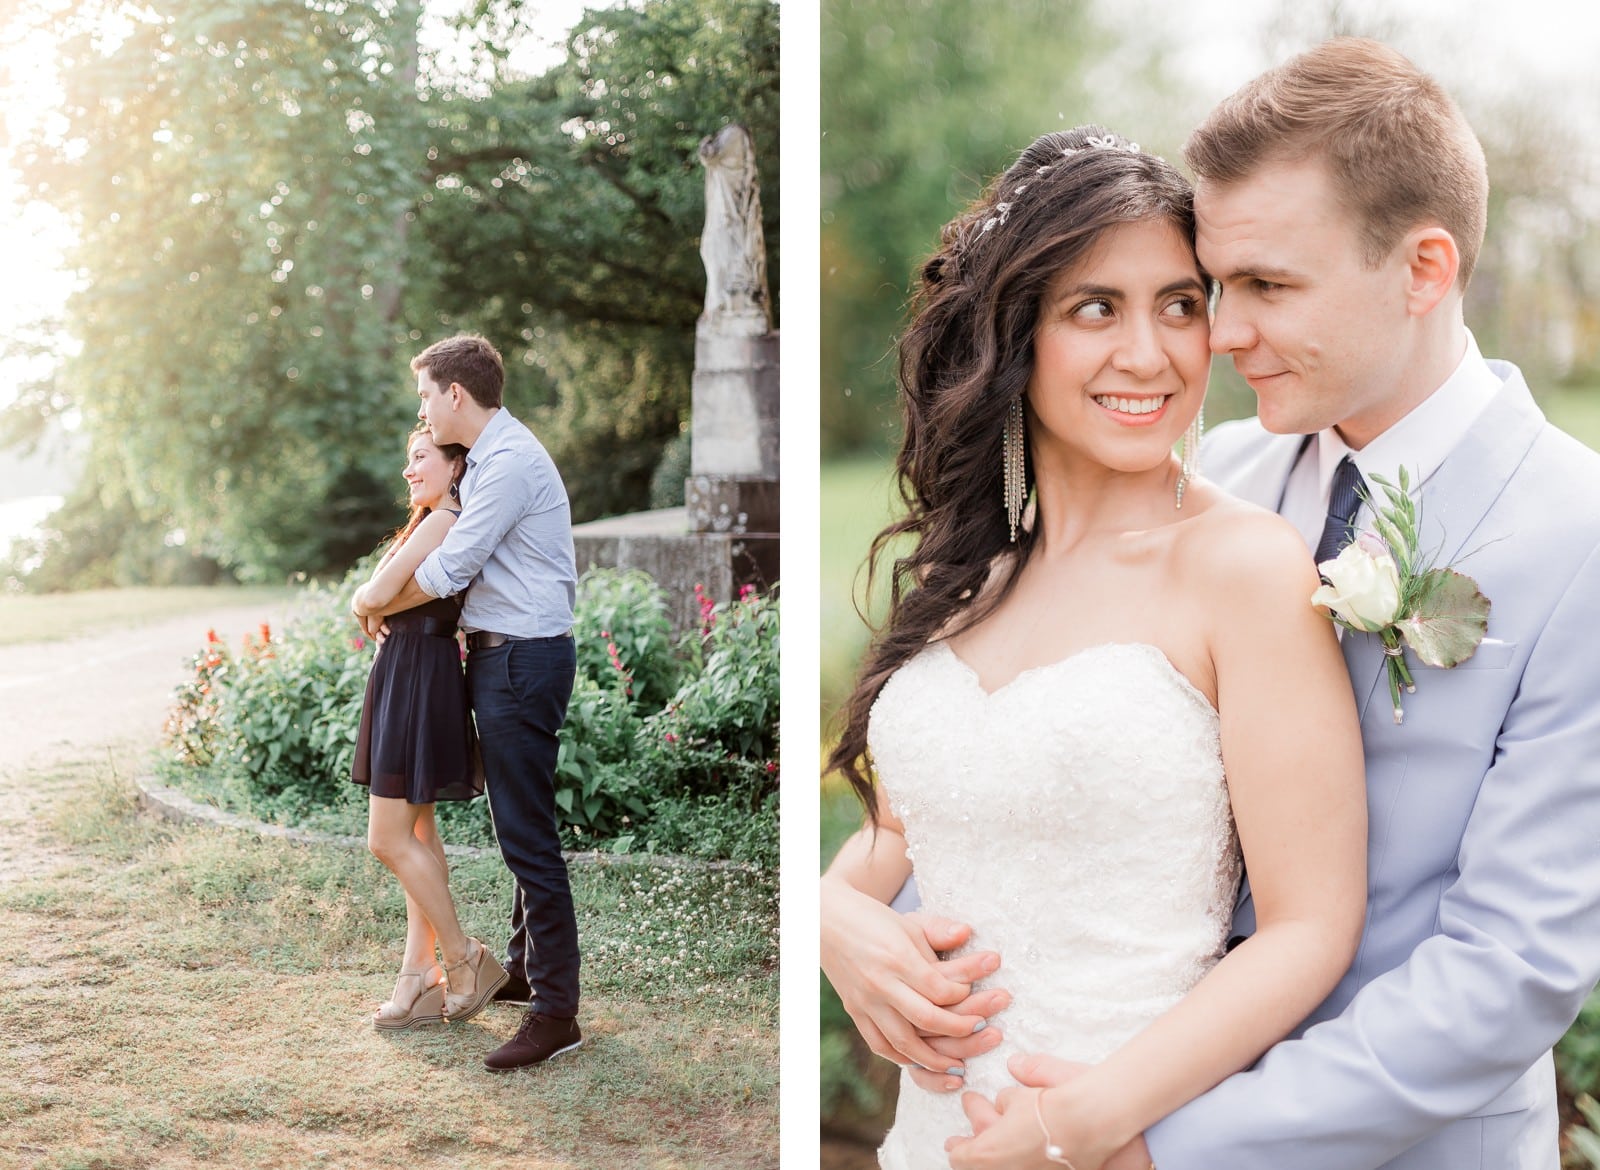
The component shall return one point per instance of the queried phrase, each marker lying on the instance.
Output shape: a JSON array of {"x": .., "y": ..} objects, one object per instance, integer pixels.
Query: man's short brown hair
[
  {"x": 470, "y": 360},
  {"x": 1399, "y": 151}
]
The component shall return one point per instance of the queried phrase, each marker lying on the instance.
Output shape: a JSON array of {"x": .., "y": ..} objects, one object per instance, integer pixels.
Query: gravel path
[
  {"x": 67, "y": 701},
  {"x": 60, "y": 697}
]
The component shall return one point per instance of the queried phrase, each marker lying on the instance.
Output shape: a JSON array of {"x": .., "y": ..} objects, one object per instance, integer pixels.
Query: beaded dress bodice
[{"x": 1078, "y": 819}]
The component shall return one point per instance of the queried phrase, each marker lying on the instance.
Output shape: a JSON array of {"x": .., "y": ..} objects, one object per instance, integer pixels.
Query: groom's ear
[{"x": 1432, "y": 263}]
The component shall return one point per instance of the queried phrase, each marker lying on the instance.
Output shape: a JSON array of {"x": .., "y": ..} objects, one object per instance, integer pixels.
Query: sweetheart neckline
[{"x": 1176, "y": 675}]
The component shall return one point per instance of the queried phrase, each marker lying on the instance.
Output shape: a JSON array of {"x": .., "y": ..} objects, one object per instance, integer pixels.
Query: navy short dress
[{"x": 416, "y": 741}]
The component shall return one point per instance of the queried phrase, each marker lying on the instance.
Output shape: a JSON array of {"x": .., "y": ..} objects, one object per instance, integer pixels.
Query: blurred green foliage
[
  {"x": 922, "y": 101},
  {"x": 279, "y": 203}
]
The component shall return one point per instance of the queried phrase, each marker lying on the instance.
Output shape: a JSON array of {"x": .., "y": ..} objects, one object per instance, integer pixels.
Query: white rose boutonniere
[{"x": 1382, "y": 584}]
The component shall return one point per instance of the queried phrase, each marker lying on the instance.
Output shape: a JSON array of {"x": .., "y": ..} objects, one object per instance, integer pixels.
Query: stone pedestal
[
  {"x": 661, "y": 544},
  {"x": 726, "y": 535},
  {"x": 734, "y": 428}
]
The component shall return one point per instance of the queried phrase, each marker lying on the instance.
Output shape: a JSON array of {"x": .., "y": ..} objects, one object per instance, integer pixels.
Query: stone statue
[{"x": 732, "y": 245}]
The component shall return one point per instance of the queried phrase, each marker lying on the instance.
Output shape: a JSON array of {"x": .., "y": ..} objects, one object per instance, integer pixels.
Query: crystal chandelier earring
[
  {"x": 1014, "y": 466},
  {"x": 1189, "y": 457}
]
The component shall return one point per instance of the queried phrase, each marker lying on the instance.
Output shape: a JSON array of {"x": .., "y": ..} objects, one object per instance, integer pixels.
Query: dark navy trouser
[{"x": 519, "y": 693}]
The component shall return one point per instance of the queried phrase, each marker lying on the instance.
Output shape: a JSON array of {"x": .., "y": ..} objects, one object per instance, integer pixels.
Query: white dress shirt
[{"x": 1419, "y": 441}]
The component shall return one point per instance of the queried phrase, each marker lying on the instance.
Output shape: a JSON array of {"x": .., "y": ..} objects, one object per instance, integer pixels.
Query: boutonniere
[{"x": 1383, "y": 584}]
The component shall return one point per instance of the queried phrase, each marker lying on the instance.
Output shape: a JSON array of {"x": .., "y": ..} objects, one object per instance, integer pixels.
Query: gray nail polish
[
  {"x": 980, "y": 1025},
  {"x": 956, "y": 1072}
]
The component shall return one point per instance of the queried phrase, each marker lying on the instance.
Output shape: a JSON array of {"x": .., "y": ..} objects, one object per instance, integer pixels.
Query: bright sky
[{"x": 1488, "y": 44}]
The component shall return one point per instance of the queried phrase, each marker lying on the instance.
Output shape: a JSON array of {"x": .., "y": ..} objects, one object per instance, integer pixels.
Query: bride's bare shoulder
[{"x": 1233, "y": 537}]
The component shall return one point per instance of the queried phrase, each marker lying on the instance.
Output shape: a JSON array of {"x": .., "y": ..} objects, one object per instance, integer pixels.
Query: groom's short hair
[
  {"x": 1398, "y": 149},
  {"x": 470, "y": 360}
]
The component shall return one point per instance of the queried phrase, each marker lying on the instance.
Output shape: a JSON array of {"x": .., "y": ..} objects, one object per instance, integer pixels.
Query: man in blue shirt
[{"x": 513, "y": 547}]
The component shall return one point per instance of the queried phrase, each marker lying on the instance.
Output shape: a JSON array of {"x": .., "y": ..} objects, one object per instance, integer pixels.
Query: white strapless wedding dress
[{"x": 1078, "y": 819}]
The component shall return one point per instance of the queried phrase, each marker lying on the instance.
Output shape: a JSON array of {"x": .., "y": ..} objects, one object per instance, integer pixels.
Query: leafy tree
[
  {"x": 570, "y": 208},
  {"x": 278, "y": 202}
]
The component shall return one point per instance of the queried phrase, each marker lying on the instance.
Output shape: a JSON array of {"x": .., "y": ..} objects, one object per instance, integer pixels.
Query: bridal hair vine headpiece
[
  {"x": 1106, "y": 142},
  {"x": 1090, "y": 143}
]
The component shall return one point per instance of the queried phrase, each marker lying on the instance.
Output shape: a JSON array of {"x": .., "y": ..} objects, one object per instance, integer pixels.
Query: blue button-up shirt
[{"x": 513, "y": 542}]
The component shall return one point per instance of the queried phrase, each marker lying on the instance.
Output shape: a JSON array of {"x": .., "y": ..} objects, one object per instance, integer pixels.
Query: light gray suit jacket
[{"x": 1482, "y": 937}]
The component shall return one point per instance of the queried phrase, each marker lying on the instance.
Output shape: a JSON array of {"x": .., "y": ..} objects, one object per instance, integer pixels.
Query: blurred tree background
[
  {"x": 276, "y": 203},
  {"x": 924, "y": 100}
]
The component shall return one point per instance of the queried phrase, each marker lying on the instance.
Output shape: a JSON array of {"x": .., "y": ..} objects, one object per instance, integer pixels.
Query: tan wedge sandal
[
  {"x": 488, "y": 976},
  {"x": 426, "y": 1008}
]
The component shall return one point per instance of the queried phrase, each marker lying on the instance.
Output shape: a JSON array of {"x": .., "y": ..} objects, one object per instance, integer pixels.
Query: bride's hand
[
  {"x": 1006, "y": 1135},
  {"x": 892, "y": 983},
  {"x": 1007, "y": 1132},
  {"x": 954, "y": 1050}
]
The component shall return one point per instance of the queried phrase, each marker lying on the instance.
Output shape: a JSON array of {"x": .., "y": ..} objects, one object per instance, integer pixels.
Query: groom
[
  {"x": 513, "y": 546},
  {"x": 1341, "y": 203}
]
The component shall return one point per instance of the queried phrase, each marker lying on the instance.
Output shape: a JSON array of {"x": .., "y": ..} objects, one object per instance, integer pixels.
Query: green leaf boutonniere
[{"x": 1382, "y": 584}]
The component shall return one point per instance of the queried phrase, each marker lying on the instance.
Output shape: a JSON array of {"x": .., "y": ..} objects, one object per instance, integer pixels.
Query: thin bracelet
[{"x": 1052, "y": 1152}]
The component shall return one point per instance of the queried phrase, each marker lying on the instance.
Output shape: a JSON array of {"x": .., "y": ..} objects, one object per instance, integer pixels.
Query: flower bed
[{"x": 668, "y": 746}]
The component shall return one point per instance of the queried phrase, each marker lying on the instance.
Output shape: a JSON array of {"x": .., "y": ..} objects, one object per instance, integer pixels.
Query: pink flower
[
  {"x": 358, "y": 643},
  {"x": 670, "y": 737}
]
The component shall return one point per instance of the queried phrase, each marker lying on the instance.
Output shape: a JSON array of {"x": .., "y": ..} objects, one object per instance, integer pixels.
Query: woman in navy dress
[{"x": 416, "y": 746}]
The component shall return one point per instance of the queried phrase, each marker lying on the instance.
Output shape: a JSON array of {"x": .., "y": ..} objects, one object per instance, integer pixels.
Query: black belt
[
  {"x": 488, "y": 639},
  {"x": 435, "y": 627}
]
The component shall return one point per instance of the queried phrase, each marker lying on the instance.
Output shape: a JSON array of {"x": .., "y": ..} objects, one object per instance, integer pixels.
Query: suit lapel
[
  {"x": 1453, "y": 503},
  {"x": 1457, "y": 497}
]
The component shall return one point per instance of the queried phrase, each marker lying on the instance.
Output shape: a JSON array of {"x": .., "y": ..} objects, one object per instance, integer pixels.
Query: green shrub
[
  {"x": 597, "y": 792},
  {"x": 291, "y": 707},
  {"x": 665, "y": 749},
  {"x": 621, "y": 628}
]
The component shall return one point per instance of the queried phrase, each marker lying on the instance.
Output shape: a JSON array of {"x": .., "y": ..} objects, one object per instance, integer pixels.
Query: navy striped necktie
[{"x": 1343, "y": 504}]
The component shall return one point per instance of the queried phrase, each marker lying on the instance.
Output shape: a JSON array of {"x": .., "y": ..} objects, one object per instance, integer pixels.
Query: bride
[{"x": 1083, "y": 709}]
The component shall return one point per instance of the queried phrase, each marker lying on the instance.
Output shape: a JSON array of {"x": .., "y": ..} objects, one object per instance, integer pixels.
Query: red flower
[
  {"x": 211, "y": 637},
  {"x": 266, "y": 632}
]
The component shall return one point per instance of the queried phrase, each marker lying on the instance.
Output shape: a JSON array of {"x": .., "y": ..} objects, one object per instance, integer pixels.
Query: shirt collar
[
  {"x": 1422, "y": 439},
  {"x": 491, "y": 431}
]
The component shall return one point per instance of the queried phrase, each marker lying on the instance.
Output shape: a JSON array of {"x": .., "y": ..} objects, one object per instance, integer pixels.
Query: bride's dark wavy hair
[{"x": 965, "y": 357}]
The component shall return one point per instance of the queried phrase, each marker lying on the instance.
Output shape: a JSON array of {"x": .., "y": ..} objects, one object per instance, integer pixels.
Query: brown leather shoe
[{"x": 538, "y": 1038}]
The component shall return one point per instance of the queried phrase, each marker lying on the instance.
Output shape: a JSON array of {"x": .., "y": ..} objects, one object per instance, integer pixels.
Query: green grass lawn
[{"x": 186, "y": 997}]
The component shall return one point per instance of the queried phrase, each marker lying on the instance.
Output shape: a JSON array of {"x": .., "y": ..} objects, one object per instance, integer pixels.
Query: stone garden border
[{"x": 170, "y": 804}]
